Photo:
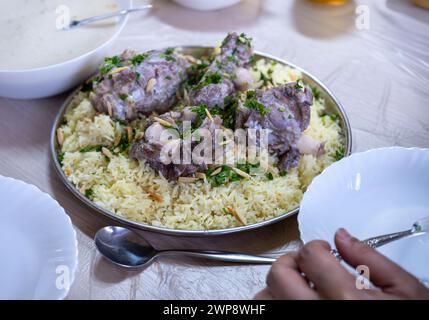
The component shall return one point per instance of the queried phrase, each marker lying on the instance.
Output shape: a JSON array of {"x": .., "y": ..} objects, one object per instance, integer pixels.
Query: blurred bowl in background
[
  {"x": 46, "y": 81},
  {"x": 204, "y": 5},
  {"x": 421, "y": 3}
]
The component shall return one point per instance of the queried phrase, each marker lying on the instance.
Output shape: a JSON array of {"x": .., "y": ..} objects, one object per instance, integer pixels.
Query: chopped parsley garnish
[
  {"x": 87, "y": 86},
  {"x": 137, "y": 59},
  {"x": 124, "y": 145},
  {"x": 138, "y": 76},
  {"x": 233, "y": 59},
  {"x": 316, "y": 93},
  {"x": 253, "y": 104},
  {"x": 227, "y": 114},
  {"x": 221, "y": 178},
  {"x": 90, "y": 149},
  {"x": 210, "y": 78},
  {"x": 299, "y": 85},
  {"x": 339, "y": 153},
  {"x": 123, "y": 96},
  {"x": 109, "y": 64},
  {"x": 282, "y": 173},
  {"x": 269, "y": 176},
  {"x": 168, "y": 54},
  {"x": 201, "y": 115},
  {"x": 333, "y": 117},
  {"x": 281, "y": 109},
  {"x": 169, "y": 51},
  {"x": 89, "y": 193},
  {"x": 196, "y": 73},
  {"x": 168, "y": 77},
  {"x": 252, "y": 60},
  {"x": 227, "y": 174},
  {"x": 265, "y": 80},
  {"x": 242, "y": 38},
  {"x": 251, "y": 94},
  {"x": 60, "y": 157}
]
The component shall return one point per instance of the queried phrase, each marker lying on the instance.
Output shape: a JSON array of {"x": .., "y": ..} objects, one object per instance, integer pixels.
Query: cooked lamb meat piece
[
  {"x": 226, "y": 73},
  {"x": 285, "y": 112},
  {"x": 150, "y": 148},
  {"x": 151, "y": 153},
  {"x": 134, "y": 84}
]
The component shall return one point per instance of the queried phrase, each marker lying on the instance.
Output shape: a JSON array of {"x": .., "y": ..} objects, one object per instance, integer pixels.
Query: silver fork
[{"x": 419, "y": 227}]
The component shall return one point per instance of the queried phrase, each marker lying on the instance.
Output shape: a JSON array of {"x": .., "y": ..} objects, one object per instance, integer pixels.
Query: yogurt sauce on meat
[
  {"x": 227, "y": 73},
  {"x": 134, "y": 84}
]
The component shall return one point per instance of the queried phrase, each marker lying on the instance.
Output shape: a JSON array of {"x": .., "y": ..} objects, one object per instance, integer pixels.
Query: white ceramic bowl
[
  {"x": 38, "y": 246},
  {"x": 51, "y": 80},
  {"x": 373, "y": 193},
  {"x": 205, "y": 5}
]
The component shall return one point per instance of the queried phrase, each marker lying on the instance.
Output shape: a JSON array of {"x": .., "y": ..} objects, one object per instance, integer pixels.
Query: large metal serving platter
[{"x": 333, "y": 106}]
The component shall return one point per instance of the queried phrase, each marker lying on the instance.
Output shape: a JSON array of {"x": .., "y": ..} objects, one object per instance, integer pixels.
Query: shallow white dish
[
  {"x": 54, "y": 79},
  {"x": 372, "y": 193},
  {"x": 38, "y": 246},
  {"x": 204, "y": 5}
]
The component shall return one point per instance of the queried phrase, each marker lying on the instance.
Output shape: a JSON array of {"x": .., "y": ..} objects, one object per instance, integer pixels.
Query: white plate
[
  {"x": 373, "y": 193},
  {"x": 38, "y": 246}
]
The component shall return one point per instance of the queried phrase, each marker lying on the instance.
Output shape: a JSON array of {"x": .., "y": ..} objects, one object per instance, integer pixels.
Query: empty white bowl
[
  {"x": 38, "y": 246},
  {"x": 54, "y": 79},
  {"x": 373, "y": 193},
  {"x": 204, "y": 5}
]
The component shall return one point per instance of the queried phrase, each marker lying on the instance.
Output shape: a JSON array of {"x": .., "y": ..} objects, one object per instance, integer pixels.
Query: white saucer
[
  {"x": 38, "y": 246},
  {"x": 372, "y": 193}
]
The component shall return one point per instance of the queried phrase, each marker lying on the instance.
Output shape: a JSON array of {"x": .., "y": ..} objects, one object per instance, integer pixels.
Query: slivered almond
[
  {"x": 129, "y": 133},
  {"x": 209, "y": 115},
  {"x": 163, "y": 122},
  {"x": 155, "y": 197},
  {"x": 139, "y": 135},
  {"x": 200, "y": 175},
  {"x": 86, "y": 119},
  {"x": 191, "y": 59},
  {"x": 60, "y": 136},
  {"x": 68, "y": 171},
  {"x": 107, "y": 152},
  {"x": 150, "y": 84},
  {"x": 216, "y": 172},
  {"x": 187, "y": 179},
  {"x": 241, "y": 173},
  {"x": 237, "y": 215},
  {"x": 117, "y": 70},
  {"x": 118, "y": 136},
  {"x": 185, "y": 96},
  {"x": 109, "y": 108}
]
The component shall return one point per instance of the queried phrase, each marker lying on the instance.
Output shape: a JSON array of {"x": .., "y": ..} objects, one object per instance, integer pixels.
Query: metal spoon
[
  {"x": 78, "y": 23},
  {"x": 128, "y": 249}
]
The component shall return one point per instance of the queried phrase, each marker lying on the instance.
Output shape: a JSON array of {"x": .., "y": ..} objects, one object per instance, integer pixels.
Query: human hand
[{"x": 331, "y": 280}]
